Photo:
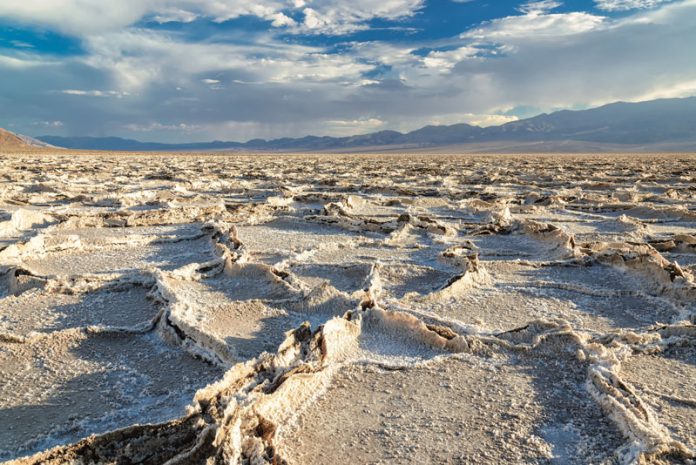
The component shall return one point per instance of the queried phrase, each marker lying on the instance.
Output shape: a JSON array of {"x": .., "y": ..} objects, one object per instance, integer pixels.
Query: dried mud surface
[{"x": 430, "y": 309}]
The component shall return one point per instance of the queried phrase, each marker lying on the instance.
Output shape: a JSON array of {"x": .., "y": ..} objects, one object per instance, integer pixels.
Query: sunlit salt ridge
[{"x": 396, "y": 309}]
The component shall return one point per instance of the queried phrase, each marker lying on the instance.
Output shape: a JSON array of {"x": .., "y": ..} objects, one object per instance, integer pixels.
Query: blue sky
[{"x": 193, "y": 70}]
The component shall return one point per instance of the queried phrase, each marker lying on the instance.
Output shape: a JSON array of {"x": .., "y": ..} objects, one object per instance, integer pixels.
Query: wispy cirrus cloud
[
  {"x": 624, "y": 5},
  {"x": 539, "y": 7},
  {"x": 95, "y": 93}
]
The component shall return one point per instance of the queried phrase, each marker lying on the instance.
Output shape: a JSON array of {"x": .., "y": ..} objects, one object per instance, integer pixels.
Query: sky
[{"x": 199, "y": 70}]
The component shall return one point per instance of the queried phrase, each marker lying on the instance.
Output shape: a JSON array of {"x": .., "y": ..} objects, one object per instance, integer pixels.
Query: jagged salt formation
[{"x": 219, "y": 309}]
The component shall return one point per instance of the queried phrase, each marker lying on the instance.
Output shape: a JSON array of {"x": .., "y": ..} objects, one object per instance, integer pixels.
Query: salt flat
[{"x": 331, "y": 309}]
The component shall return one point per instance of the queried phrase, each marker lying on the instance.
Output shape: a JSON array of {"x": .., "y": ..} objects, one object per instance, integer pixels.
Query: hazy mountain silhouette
[{"x": 666, "y": 124}]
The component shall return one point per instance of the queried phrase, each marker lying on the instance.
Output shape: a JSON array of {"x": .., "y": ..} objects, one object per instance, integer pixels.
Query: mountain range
[{"x": 656, "y": 125}]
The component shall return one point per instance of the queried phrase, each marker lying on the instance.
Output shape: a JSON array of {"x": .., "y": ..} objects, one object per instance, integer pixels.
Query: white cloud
[
  {"x": 595, "y": 60},
  {"x": 95, "y": 93},
  {"x": 87, "y": 17},
  {"x": 391, "y": 54},
  {"x": 137, "y": 59},
  {"x": 446, "y": 60},
  {"x": 273, "y": 88},
  {"x": 280, "y": 20},
  {"x": 535, "y": 24},
  {"x": 674, "y": 90},
  {"x": 623, "y": 5},
  {"x": 21, "y": 44},
  {"x": 150, "y": 127},
  {"x": 505, "y": 35},
  {"x": 75, "y": 16},
  {"x": 353, "y": 127},
  {"x": 90, "y": 17},
  {"x": 172, "y": 15},
  {"x": 25, "y": 59},
  {"x": 49, "y": 124},
  {"x": 213, "y": 84},
  {"x": 487, "y": 120},
  {"x": 314, "y": 20},
  {"x": 340, "y": 17},
  {"x": 414, "y": 122},
  {"x": 539, "y": 7}
]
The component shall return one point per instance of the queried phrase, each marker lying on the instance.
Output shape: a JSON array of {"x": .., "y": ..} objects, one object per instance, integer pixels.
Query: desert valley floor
[{"x": 347, "y": 309}]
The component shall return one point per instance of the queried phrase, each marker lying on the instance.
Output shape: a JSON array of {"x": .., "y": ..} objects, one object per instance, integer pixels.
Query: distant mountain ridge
[{"x": 661, "y": 123}]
